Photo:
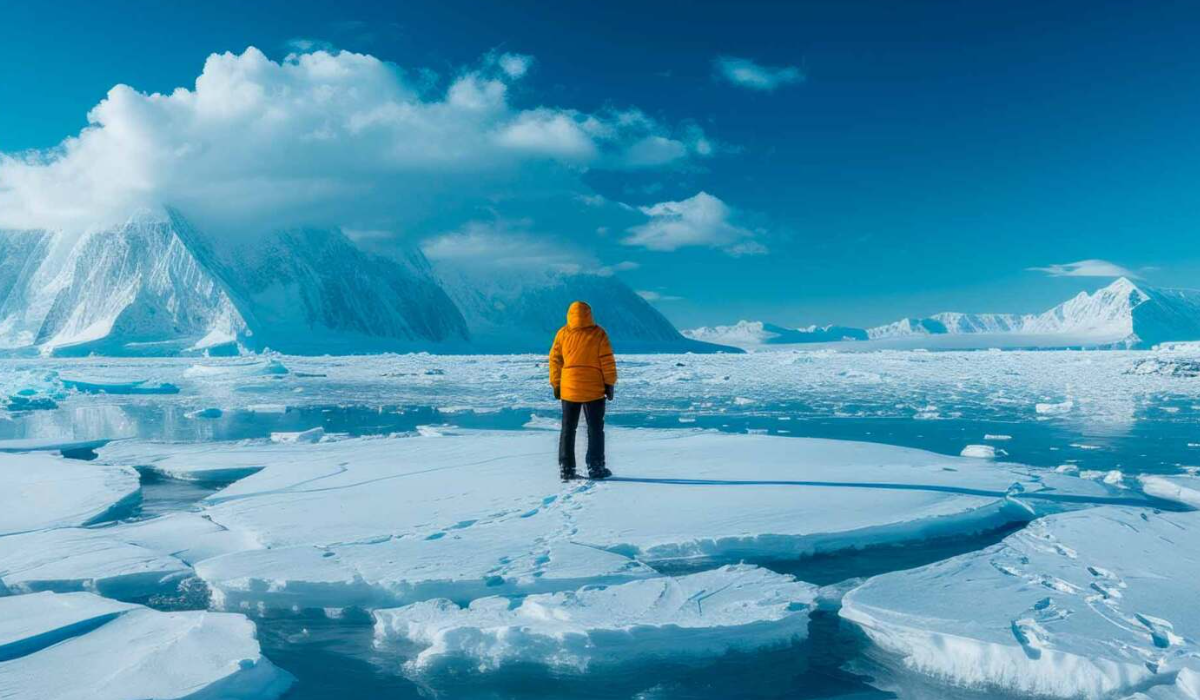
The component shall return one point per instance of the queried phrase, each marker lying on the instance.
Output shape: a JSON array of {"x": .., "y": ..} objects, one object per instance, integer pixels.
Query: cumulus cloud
[
  {"x": 1086, "y": 268},
  {"x": 324, "y": 138},
  {"x": 746, "y": 73},
  {"x": 702, "y": 220}
]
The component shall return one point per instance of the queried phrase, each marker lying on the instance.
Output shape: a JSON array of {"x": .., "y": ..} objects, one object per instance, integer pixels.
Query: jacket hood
[{"x": 579, "y": 315}]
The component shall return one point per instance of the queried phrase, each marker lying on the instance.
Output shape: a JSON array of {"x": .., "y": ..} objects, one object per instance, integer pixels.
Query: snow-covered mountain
[
  {"x": 157, "y": 286},
  {"x": 312, "y": 291},
  {"x": 134, "y": 288},
  {"x": 1123, "y": 314},
  {"x": 521, "y": 311},
  {"x": 748, "y": 334}
]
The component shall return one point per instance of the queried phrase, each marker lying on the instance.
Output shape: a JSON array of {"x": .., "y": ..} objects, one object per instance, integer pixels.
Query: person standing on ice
[{"x": 583, "y": 373}]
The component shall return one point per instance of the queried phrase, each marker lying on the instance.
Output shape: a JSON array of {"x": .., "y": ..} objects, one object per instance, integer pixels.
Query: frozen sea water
[{"x": 1110, "y": 416}]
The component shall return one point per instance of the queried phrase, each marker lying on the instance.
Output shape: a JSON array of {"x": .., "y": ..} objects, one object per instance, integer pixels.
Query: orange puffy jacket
[{"x": 581, "y": 359}]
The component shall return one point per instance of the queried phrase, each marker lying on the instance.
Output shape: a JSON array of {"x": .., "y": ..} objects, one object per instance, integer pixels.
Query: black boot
[
  {"x": 566, "y": 473},
  {"x": 598, "y": 472}
]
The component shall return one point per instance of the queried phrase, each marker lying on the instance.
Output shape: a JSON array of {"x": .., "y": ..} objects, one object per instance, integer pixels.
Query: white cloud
[
  {"x": 623, "y": 266},
  {"x": 514, "y": 65},
  {"x": 1086, "y": 268},
  {"x": 305, "y": 45},
  {"x": 320, "y": 138},
  {"x": 503, "y": 245},
  {"x": 748, "y": 74},
  {"x": 702, "y": 220},
  {"x": 652, "y": 296}
]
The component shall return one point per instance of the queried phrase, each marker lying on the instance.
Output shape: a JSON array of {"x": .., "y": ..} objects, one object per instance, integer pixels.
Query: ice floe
[
  {"x": 1094, "y": 603},
  {"x": 79, "y": 646},
  {"x": 387, "y": 521},
  {"x": 125, "y": 561},
  {"x": 44, "y": 491},
  {"x": 734, "y": 608}
]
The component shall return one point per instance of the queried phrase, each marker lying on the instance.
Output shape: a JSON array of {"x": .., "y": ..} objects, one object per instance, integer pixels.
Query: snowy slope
[
  {"x": 312, "y": 291},
  {"x": 123, "y": 290},
  {"x": 520, "y": 312},
  {"x": 1123, "y": 314}
]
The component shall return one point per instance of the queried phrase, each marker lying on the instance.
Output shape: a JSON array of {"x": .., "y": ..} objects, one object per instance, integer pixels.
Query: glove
[
  {"x": 608, "y": 391},
  {"x": 557, "y": 393}
]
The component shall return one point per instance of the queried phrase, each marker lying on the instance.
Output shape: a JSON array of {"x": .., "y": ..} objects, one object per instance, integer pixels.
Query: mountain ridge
[
  {"x": 1121, "y": 314},
  {"x": 155, "y": 285}
]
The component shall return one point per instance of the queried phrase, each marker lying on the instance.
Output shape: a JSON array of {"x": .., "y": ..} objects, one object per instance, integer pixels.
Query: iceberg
[
  {"x": 44, "y": 491},
  {"x": 1093, "y": 603},
  {"x": 734, "y": 608},
  {"x": 79, "y": 646}
]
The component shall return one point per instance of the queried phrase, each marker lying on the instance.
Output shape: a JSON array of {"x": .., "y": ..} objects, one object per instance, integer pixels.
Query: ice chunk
[
  {"x": 1179, "y": 488},
  {"x": 42, "y": 491},
  {"x": 77, "y": 449},
  {"x": 126, "y": 561},
  {"x": 305, "y": 436},
  {"x": 201, "y": 462},
  {"x": 79, "y": 646},
  {"x": 136, "y": 387},
  {"x": 76, "y": 559},
  {"x": 1054, "y": 408},
  {"x": 735, "y": 608},
  {"x": 979, "y": 451},
  {"x": 1092, "y": 603}
]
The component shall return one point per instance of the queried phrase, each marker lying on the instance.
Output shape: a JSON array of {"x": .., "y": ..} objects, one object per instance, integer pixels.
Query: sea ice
[
  {"x": 1180, "y": 488},
  {"x": 43, "y": 491},
  {"x": 79, "y": 646},
  {"x": 386, "y": 521},
  {"x": 1092, "y": 603},
  {"x": 734, "y": 608},
  {"x": 125, "y": 561}
]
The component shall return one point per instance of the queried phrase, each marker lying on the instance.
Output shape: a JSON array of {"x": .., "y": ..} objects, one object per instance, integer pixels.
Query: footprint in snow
[
  {"x": 1031, "y": 636},
  {"x": 1162, "y": 632}
]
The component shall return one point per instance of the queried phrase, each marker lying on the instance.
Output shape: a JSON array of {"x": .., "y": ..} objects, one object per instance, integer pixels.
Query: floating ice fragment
[{"x": 740, "y": 608}]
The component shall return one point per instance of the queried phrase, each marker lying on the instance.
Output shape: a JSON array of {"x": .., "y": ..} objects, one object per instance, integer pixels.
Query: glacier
[{"x": 1123, "y": 314}]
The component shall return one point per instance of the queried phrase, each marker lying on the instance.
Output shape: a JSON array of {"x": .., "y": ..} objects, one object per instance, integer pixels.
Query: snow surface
[
  {"x": 742, "y": 608},
  {"x": 386, "y": 521},
  {"x": 1093, "y": 603},
  {"x": 80, "y": 646},
  {"x": 44, "y": 491}
]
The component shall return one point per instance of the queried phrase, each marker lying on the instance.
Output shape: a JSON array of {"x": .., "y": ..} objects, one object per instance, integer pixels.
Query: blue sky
[{"x": 861, "y": 161}]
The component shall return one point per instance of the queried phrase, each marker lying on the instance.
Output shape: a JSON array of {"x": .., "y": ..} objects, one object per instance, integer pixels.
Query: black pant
[{"x": 594, "y": 412}]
